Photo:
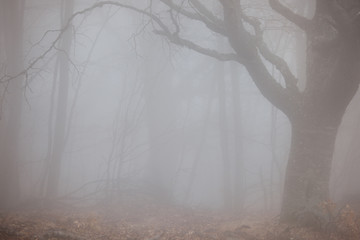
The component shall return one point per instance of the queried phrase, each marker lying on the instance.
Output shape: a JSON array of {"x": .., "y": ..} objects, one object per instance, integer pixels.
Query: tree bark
[
  {"x": 308, "y": 171},
  {"x": 332, "y": 81}
]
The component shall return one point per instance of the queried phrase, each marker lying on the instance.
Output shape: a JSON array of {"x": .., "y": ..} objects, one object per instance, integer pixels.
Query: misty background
[{"x": 126, "y": 113}]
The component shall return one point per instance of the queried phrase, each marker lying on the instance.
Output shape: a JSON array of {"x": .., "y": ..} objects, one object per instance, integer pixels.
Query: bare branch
[
  {"x": 209, "y": 20},
  {"x": 278, "y": 62},
  {"x": 205, "y": 51},
  {"x": 300, "y": 21},
  {"x": 239, "y": 38},
  {"x": 205, "y": 12},
  {"x": 247, "y": 48},
  {"x": 52, "y": 46},
  {"x": 177, "y": 27}
]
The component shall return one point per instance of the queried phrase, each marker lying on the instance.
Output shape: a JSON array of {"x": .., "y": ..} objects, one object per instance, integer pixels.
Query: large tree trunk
[
  {"x": 332, "y": 81},
  {"x": 308, "y": 171}
]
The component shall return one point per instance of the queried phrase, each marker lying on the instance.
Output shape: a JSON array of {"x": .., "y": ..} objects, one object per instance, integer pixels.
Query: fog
[{"x": 105, "y": 108}]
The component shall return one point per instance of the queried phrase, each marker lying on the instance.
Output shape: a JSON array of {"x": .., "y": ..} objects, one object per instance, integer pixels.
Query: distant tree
[
  {"x": 238, "y": 168},
  {"x": 56, "y": 149},
  {"x": 160, "y": 115},
  {"x": 11, "y": 18},
  {"x": 219, "y": 77}
]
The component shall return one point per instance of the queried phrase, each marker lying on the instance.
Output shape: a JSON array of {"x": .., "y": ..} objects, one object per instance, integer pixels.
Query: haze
[{"x": 100, "y": 106}]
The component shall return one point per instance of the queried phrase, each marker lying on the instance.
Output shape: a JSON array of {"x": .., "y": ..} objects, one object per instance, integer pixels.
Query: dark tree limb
[
  {"x": 205, "y": 12},
  {"x": 278, "y": 62},
  {"x": 281, "y": 66},
  {"x": 247, "y": 50},
  {"x": 300, "y": 21},
  {"x": 175, "y": 39}
]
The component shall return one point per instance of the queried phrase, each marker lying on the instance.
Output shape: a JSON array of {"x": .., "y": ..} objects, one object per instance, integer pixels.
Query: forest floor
[{"x": 141, "y": 220}]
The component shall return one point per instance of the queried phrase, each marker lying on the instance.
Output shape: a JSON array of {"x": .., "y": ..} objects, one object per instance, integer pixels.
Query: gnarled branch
[
  {"x": 213, "y": 23},
  {"x": 175, "y": 39},
  {"x": 205, "y": 12},
  {"x": 300, "y": 21},
  {"x": 243, "y": 43},
  {"x": 278, "y": 62}
]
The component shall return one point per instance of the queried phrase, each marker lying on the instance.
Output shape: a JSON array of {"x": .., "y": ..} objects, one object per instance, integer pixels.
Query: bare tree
[
  {"x": 59, "y": 138},
  {"x": 219, "y": 75},
  {"x": 238, "y": 169},
  {"x": 12, "y": 12},
  {"x": 160, "y": 115},
  {"x": 316, "y": 112}
]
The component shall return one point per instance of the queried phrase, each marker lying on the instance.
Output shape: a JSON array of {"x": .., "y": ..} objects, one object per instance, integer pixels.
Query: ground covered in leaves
[{"x": 142, "y": 220}]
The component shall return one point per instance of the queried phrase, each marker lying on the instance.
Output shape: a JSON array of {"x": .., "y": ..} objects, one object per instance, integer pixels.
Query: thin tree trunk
[
  {"x": 219, "y": 75},
  {"x": 239, "y": 173},
  {"x": 274, "y": 159},
  {"x": 199, "y": 151},
  {"x": 54, "y": 174},
  {"x": 160, "y": 105},
  {"x": 12, "y": 17},
  {"x": 224, "y": 137}
]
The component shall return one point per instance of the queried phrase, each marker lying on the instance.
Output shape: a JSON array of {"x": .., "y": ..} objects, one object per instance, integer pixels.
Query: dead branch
[
  {"x": 204, "y": 16},
  {"x": 52, "y": 46},
  {"x": 300, "y": 21},
  {"x": 278, "y": 62},
  {"x": 205, "y": 51}
]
